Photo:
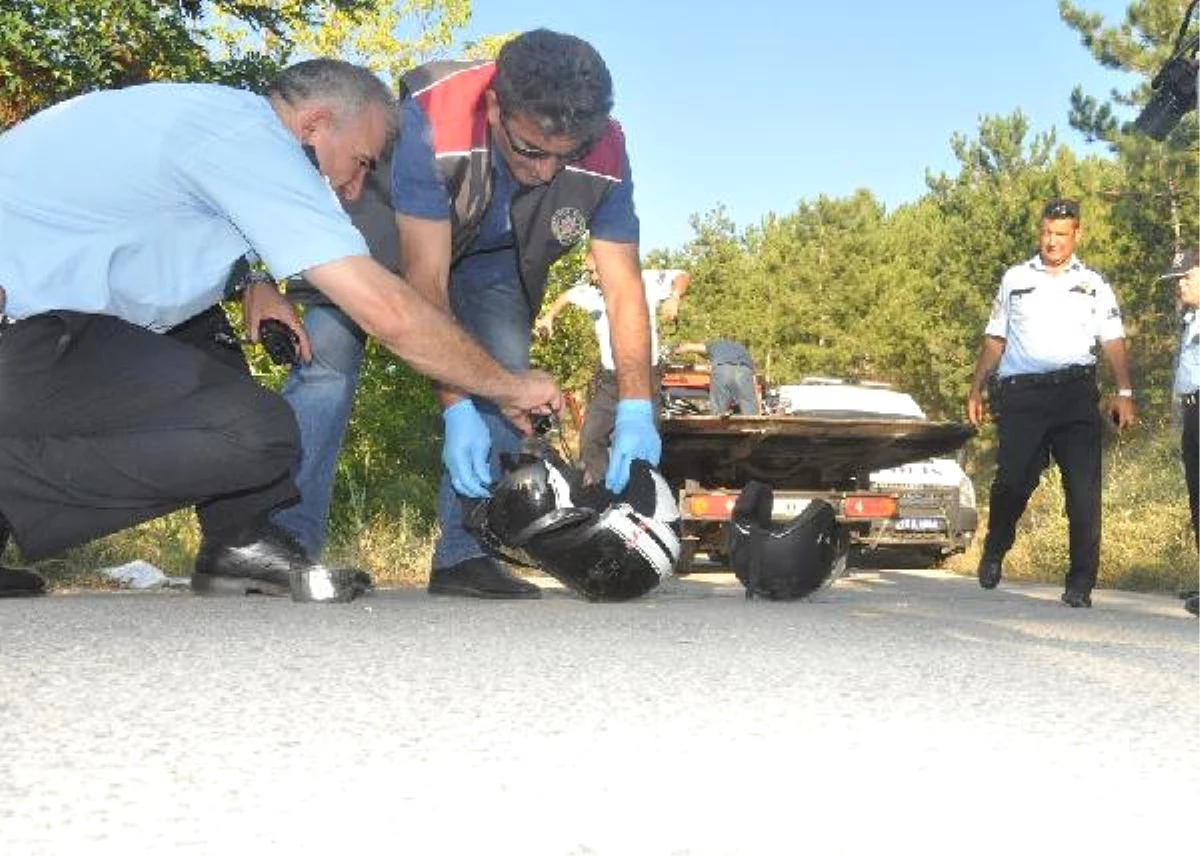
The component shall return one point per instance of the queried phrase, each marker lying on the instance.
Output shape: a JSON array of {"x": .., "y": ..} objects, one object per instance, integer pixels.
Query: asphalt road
[{"x": 895, "y": 712}]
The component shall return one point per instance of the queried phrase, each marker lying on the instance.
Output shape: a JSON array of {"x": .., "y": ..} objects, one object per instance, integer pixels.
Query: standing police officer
[
  {"x": 1048, "y": 315},
  {"x": 1185, "y": 268}
]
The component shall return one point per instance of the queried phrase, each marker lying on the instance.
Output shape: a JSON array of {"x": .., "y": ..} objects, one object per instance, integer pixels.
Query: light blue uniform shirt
[
  {"x": 1187, "y": 370},
  {"x": 136, "y": 203},
  {"x": 1051, "y": 322}
]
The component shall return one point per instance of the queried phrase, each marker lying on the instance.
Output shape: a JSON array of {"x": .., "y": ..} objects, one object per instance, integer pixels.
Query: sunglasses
[
  {"x": 1061, "y": 209},
  {"x": 536, "y": 154}
]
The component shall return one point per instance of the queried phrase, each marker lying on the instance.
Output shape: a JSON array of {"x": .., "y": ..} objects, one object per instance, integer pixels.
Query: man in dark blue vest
[{"x": 500, "y": 168}]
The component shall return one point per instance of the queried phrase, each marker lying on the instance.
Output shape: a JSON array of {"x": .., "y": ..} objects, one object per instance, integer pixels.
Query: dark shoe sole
[
  {"x": 215, "y": 585},
  {"x": 987, "y": 578},
  {"x": 1077, "y": 600},
  {"x": 451, "y": 589}
]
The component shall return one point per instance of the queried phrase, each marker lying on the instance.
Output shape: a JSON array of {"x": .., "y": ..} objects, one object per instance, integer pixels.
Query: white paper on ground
[{"x": 136, "y": 574}]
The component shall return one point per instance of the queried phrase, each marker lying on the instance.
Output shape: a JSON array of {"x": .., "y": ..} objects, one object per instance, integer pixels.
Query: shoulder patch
[{"x": 568, "y": 224}]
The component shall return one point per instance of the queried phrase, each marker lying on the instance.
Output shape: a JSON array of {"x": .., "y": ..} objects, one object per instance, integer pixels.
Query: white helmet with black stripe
[{"x": 602, "y": 546}]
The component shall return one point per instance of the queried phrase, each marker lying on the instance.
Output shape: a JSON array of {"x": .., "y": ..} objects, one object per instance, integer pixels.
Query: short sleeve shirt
[
  {"x": 137, "y": 202},
  {"x": 590, "y": 299},
  {"x": 1187, "y": 370},
  {"x": 1051, "y": 322}
]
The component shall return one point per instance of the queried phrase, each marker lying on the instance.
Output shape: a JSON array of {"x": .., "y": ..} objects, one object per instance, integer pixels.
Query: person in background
[
  {"x": 116, "y": 405},
  {"x": 664, "y": 293},
  {"x": 501, "y": 167},
  {"x": 731, "y": 381},
  {"x": 1046, "y": 319},
  {"x": 1185, "y": 270}
]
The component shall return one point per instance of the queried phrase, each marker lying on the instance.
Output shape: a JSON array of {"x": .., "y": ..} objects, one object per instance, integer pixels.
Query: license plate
[
  {"x": 919, "y": 524},
  {"x": 785, "y": 508}
]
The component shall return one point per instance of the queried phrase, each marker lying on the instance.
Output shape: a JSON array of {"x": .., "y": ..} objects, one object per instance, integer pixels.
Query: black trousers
[
  {"x": 595, "y": 436},
  {"x": 1038, "y": 423},
  {"x": 104, "y": 425},
  {"x": 1189, "y": 441}
]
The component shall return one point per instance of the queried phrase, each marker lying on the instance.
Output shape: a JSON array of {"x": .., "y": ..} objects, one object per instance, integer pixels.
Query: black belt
[
  {"x": 1054, "y": 378},
  {"x": 1190, "y": 399}
]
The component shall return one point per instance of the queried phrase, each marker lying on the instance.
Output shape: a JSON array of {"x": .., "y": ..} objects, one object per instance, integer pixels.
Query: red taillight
[
  {"x": 713, "y": 506},
  {"x": 868, "y": 505}
]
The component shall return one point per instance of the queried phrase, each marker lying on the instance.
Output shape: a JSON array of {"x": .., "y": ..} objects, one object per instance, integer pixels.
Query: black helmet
[
  {"x": 535, "y": 495},
  {"x": 784, "y": 561},
  {"x": 602, "y": 546}
]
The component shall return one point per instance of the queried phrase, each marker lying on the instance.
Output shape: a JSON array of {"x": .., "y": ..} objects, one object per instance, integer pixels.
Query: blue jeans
[
  {"x": 732, "y": 384},
  {"x": 490, "y": 304},
  {"x": 321, "y": 395}
]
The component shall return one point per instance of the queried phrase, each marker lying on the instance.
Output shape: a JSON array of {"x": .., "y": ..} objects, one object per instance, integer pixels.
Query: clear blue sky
[{"x": 760, "y": 104}]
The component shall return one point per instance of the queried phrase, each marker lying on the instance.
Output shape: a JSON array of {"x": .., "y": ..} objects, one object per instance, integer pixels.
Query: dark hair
[
  {"x": 347, "y": 88},
  {"x": 558, "y": 81},
  {"x": 1061, "y": 209}
]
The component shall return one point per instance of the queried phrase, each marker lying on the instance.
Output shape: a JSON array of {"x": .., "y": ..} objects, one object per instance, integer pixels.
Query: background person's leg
[
  {"x": 741, "y": 382},
  {"x": 321, "y": 395},
  {"x": 720, "y": 389},
  {"x": 595, "y": 436},
  {"x": 1075, "y": 445},
  {"x": 1021, "y": 456}
]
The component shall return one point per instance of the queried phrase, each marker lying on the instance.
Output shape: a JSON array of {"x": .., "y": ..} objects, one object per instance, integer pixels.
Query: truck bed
[{"x": 798, "y": 452}]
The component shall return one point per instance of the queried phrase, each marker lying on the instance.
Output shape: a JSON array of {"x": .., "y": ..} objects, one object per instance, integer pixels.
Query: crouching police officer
[{"x": 1046, "y": 319}]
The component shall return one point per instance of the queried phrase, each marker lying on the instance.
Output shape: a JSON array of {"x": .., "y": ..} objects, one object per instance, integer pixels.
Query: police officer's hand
[
  {"x": 466, "y": 450},
  {"x": 534, "y": 393},
  {"x": 262, "y": 300},
  {"x": 976, "y": 408},
  {"x": 634, "y": 436},
  {"x": 1122, "y": 411}
]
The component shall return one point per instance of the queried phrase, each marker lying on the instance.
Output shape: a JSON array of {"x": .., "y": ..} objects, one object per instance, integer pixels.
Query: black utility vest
[{"x": 547, "y": 220}]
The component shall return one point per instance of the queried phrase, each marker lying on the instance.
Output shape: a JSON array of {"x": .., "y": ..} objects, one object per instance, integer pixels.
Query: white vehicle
[{"x": 936, "y": 509}]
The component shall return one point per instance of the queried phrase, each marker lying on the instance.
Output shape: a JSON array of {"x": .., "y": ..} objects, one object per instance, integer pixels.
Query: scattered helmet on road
[{"x": 784, "y": 561}]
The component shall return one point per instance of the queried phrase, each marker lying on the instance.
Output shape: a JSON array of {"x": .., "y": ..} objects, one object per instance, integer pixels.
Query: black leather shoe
[
  {"x": 481, "y": 577},
  {"x": 19, "y": 582},
  {"x": 274, "y": 564},
  {"x": 989, "y": 571},
  {"x": 1077, "y": 599}
]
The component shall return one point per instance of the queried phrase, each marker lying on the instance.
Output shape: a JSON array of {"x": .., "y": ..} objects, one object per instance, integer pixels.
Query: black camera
[
  {"x": 1173, "y": 89},
  {"x": 279, "y": 341}
]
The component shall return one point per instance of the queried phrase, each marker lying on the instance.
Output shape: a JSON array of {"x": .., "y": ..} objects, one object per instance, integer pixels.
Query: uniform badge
[{"x": 568, "y": 225}]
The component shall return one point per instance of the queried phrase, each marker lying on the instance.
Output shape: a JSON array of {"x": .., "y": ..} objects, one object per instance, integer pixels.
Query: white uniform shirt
[
  {"x": 1051, "y": 322},
  {"x": 1187, "y": 369},
  {"x": 136, "y": 202},
  {"x": 590, "y": 299}
]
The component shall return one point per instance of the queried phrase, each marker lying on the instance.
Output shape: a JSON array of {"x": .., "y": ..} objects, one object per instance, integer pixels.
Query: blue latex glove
[
  {"x": 466, "y": 448},
  {"x": 634, "y": 436}
]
